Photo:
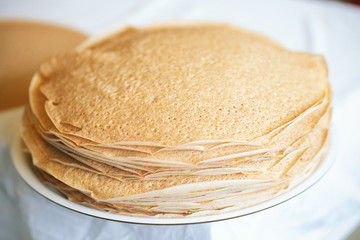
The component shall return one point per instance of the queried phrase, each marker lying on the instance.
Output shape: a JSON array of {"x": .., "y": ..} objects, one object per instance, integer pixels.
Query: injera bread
[{"x": 178, "y": 121}]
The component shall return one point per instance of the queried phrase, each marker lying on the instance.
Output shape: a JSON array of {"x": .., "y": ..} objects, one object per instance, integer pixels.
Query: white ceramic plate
[{"x": 23, "y": 166}]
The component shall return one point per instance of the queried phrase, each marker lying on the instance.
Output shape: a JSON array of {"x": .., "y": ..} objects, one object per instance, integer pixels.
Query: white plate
[{"x": 23, "y": 166}]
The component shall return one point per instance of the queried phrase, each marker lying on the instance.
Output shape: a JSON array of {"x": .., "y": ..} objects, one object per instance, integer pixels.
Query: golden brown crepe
[{"x": 178, "y": 121}]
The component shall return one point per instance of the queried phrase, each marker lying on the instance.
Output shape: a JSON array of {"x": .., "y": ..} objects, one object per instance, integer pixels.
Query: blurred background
[{"x": 329, "y": 210}]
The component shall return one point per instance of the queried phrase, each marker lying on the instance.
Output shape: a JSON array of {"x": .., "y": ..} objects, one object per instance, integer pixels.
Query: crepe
[{"x": 178, "y": 121}]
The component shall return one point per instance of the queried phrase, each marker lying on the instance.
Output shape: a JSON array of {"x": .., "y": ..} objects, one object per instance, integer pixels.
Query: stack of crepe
[{"x": 178, "y": 121}]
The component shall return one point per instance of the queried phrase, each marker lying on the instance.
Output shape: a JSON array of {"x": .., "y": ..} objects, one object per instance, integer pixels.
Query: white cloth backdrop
[{"x": 329, "y": 210}]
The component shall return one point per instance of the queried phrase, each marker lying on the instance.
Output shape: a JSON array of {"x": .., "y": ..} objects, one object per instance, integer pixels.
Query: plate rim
[{"x": 28, "y": 175}]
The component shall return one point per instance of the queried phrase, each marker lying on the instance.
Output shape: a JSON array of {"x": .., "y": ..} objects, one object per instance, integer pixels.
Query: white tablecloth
[{"x": 329, "y": 210}]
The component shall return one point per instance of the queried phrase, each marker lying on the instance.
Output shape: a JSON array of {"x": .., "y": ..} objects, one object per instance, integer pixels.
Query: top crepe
[{"x": 172, "y": 85}]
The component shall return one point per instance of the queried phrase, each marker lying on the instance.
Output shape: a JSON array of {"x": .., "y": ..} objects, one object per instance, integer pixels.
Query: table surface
[{"x": 329, "y": 210}]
